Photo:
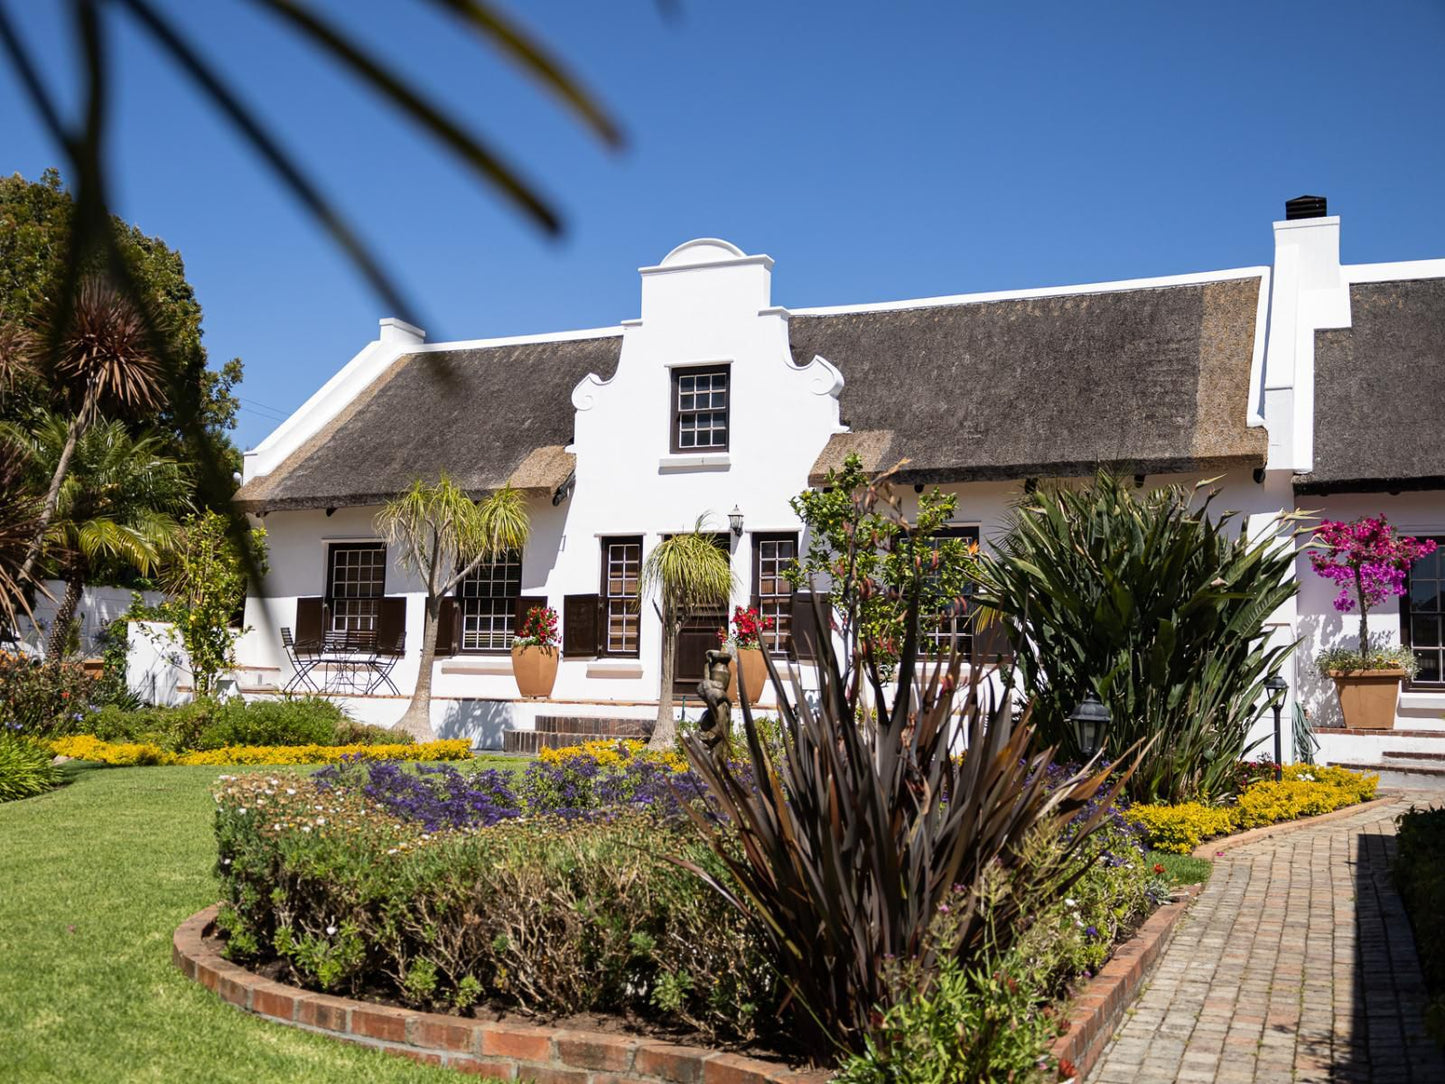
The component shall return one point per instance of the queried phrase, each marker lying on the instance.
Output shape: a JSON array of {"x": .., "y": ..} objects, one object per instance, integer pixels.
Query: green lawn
[
  {"x": 1182, "y": 869},
  {"x": 94, "y": 878}
]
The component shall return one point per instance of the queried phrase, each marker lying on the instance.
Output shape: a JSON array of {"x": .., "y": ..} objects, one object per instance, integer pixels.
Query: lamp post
[
  {"x": 1277, "y": 687},
  {"x": 1089, "y": 719}
]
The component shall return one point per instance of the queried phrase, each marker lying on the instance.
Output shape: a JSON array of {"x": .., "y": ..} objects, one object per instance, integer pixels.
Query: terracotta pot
[
  {"x": 755, "y": 673},
  {"x": 535, "y": 669},
  {"x": 1368, "y": 697}
]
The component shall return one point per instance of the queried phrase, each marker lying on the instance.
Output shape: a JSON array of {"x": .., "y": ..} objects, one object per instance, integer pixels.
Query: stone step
[
  {"x": 592, "y": 726},
  {"x": 1400, "y": 754},
  {"x": 532, "y": 741}
]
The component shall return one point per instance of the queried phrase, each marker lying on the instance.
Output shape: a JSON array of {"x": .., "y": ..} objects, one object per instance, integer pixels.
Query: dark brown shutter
[
  {"x": 991, "y": 644},
  {"x": 310, "y": 621},
  {"x": 806, "y": 633},
  {"x": 448, "y": 631},
  {"x": 391, "y": 625},
  {"x": 525, "y": 603},
  {"x": 581, "y": 627}
]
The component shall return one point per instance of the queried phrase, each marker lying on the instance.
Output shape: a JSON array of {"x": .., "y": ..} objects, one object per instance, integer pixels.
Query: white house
[{"x": 1307, "y": 384}]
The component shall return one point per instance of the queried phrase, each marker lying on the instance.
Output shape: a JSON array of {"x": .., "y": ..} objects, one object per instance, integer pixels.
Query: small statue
[{"x": 716, "y": 724}]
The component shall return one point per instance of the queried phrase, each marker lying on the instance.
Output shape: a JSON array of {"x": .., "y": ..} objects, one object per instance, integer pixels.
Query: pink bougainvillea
[{"x": 1368, "y": 561}]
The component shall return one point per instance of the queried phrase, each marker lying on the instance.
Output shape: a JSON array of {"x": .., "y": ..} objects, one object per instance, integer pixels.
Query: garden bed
[{"x": 509, "y": 1049}]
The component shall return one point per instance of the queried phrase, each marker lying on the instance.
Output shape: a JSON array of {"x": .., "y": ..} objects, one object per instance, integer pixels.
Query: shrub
[
  {"x": 1420, "y": 877},
  {"x": 213, "y": 724},
  {"x": 1306, "y": 790},
  {"x": 1157, "y": 605},
  {"x": 127, "y": 754},
  {"x": 43, "y": 699},
  {"x": 25, "y": 768},
  {"x": 545, "y": 916},
  {"x": 1178, "y": 829}
]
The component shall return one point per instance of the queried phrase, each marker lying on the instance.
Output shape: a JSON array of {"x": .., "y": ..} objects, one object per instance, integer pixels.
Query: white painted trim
[
  {"x": 1255, "y": 418},
  {"x": 1394, "y": 272},
  {"x": 520, "y": 340},
  {"x": 1196, "y": 278},
  {"x": 1306, "y": 223},
  {"x": 478, "y": 664},
  {"x": 673, "y": 464},
  {"x": 614, "y": 668},
  {"x": 697, "y": 363}
]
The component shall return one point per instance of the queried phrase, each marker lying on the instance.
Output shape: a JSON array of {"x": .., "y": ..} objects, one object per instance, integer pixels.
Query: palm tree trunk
[
  {"x": 664, "y": 734},
  {"x": 52, "y": 498},
  {"x": 60, "y": 627},
  {"x": 417, "y": 720}
]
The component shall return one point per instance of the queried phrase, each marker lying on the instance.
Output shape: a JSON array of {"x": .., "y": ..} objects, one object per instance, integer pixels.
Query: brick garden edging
[
  {"x": 1209, "y": 849},
  {"x": 507, "y": 1050},
  {"x": 1095, "y": 1014}
]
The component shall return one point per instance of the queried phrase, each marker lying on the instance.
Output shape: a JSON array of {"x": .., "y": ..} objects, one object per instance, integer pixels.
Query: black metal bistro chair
[{"x": 304, "y": 658}]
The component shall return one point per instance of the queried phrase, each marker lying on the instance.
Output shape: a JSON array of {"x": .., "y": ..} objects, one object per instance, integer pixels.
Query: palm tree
[
  {"x": 104, "y": 359},
  {"x": 690, "y": 573},
  {"x": 115, "y": 508},
  {"x": 440, "y": 534}
]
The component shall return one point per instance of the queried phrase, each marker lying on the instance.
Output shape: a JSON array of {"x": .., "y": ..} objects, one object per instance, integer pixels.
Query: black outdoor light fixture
[
  {"x": 1089, "y": 719},
  {"x": 1276, "y": 686},
  {"x": 735, "y": 521}
]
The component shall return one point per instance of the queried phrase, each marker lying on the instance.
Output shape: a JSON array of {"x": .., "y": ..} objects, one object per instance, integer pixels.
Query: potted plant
[
  {"x": 748, "y": 628},
  {"x": 1369, "y": 562},
  {"x": 534, "y": 652}
]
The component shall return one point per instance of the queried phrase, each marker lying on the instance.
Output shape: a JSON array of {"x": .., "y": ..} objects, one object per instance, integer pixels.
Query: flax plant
[
  {"x": 441, "y": 535},
  {"x": 843, "y": 849}
]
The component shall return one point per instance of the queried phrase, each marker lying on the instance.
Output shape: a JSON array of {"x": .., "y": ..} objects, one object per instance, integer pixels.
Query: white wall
[{"x": 98, "y": 607}]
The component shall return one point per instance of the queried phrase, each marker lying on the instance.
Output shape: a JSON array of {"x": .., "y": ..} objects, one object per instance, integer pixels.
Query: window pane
[
  {"x": 488, "y": 598},
  {"x": 624, "y": 566},
  {"x": 702, "y": 410},
  {"x": 356, "y": 580}
]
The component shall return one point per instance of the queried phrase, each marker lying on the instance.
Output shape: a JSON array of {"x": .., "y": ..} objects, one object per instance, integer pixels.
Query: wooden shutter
[
  {"x": 391, "y": 625},
  {"x": 806, "y": 633},
  {"x": 448, "y": 627},
  {"x": 991, "y": 644},
  {"x": 581, "y": 626},
  {"x": 310, "y": 621},
  {"x": 524, "y": 604}
]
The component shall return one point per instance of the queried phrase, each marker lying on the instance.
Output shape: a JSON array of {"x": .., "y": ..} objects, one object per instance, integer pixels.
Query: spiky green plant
[
  {"x": 689, "y": 573},
  {"x": 1157, "y": 604},
  {"x": 843, "y": 848},
  {"x": 25, "y": 768},
  {"x": 440, "y": 535}
]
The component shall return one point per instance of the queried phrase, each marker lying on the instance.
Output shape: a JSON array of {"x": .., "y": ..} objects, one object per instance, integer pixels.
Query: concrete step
[
  {"x": 1400, "y": 754},
  {"x": 592, "y": 726},
  {"x": 1401, "y": 775}
]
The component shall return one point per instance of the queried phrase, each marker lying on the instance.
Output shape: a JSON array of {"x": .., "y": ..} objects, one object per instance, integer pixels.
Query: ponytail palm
[
  {"x": 441, "y": 535},
  {"x": 690, "y": 573}
]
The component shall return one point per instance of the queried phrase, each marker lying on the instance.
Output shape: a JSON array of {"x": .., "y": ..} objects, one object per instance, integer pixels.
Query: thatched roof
[
  {"x": 1380, "y": 392},
  {"x": 485, "y": 416},
  {"x": 1138, "y": 380}
]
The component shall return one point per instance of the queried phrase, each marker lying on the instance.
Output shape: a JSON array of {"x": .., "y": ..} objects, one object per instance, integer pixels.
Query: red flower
[{"x": 1158, "y": 868}]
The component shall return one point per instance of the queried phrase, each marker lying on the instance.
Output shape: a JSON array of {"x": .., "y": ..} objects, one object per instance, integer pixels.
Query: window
[
  {"x": 1422, "y": 615},
  {"x": 621, "y": 573},
  {"x": 355, "y": 582},
  {"x": 488, "y": 598},
  {"x": 773, "y": 554},
  {"x": 952, "y": 631},
  {"x": 700, "y": 409}
]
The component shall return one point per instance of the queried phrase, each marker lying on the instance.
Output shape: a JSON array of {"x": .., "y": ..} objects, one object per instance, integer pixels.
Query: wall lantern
[
  {"x": 735, "y": 521},
  {"x": 1276, "y": 686},
  {"x": 1090, "y": 719}
]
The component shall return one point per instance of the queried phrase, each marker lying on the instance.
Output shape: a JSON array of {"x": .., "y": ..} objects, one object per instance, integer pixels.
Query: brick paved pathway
[{"x": 1296, "y": 963}]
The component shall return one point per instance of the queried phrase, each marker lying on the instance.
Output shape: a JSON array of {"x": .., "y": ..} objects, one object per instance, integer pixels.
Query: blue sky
[{"x": 876, "y": 151}]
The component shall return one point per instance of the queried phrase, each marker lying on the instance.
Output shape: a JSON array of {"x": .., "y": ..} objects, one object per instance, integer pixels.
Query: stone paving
[{"x": 1296, "y": 963}]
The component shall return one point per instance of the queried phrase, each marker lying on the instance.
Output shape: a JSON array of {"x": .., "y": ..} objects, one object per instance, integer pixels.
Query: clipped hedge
[
  {"x": 215, "y": 724},
  {"x": 1306, "y": 790},
  {"x": 130, "y": 754},
  {"x": 1420, "y": 877}
]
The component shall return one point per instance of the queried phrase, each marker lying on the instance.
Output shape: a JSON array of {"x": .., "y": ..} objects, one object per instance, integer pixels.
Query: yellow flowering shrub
[
  {"x": 1306, "y": 790},
  {"x": 125, "y": 754},
  {"x": 614, "y": 753},
  {"x": 1178, "y": 829}
]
